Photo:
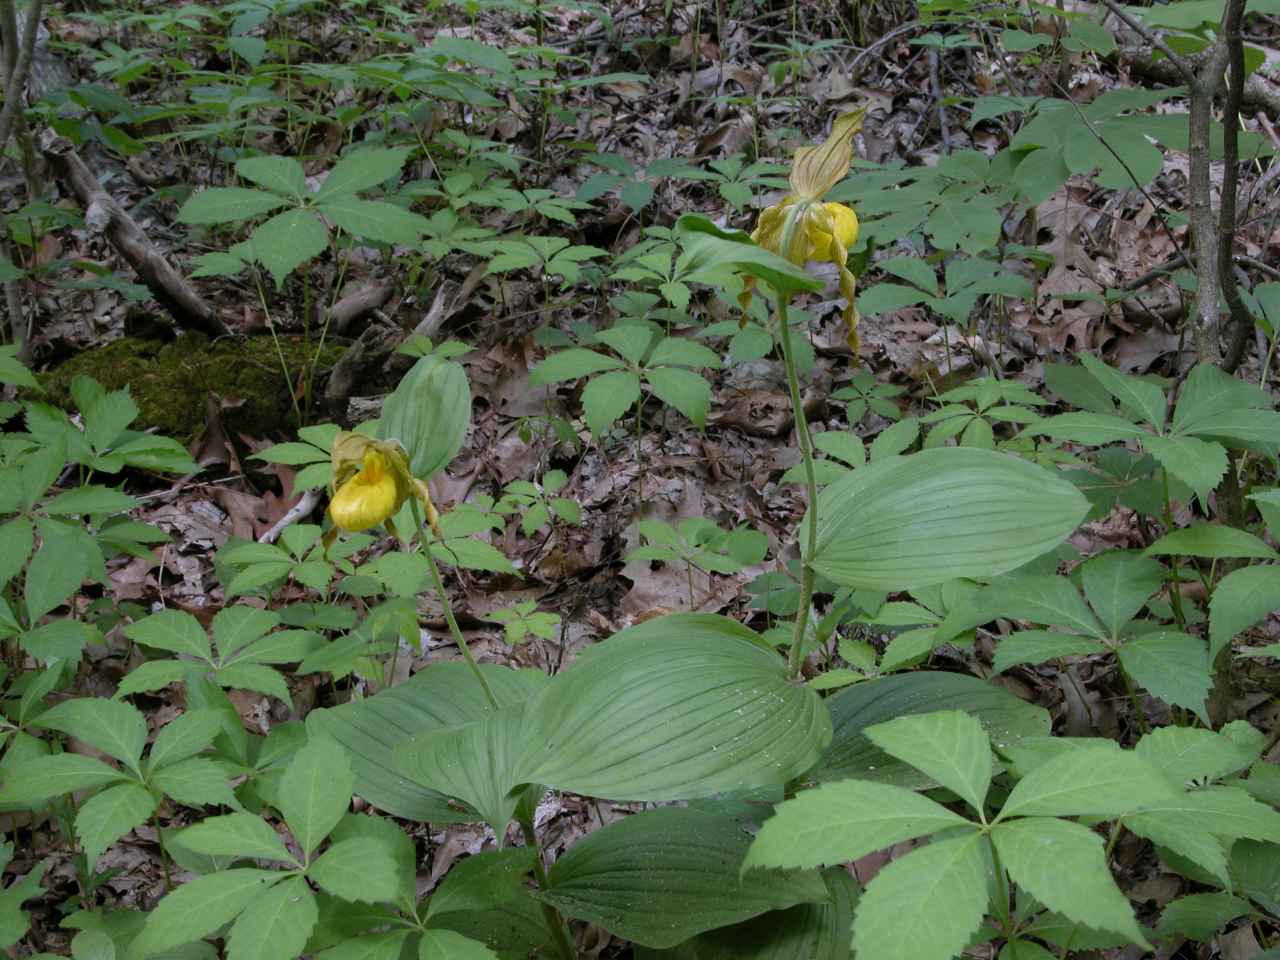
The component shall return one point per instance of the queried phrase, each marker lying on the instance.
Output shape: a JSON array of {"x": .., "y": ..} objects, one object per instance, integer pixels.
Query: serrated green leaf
[
  {"x": 357, "y": 869},
  {"x": 287, "y": 241},
  {"x": 184, "y": 737},
  {"x": 683, "y": 389},
  {"x": 115, "y": 728},
  {"x": 607, "y": 397},
  {"x": 315, "y": 791},
  {"x": 196, "y": 782},
  {"x": 361, "y": 170},
  {"x": 1099, "y": 782},
  {"x": 228, "y": 204},
  {"x": 174, "y": 630},
  {"x": 199, "y": 907},
  {"x": 1187, "y": 753},
  {"x": 448, "y": 945},
  {"x": 282, "y": 175},
  {"x": 1172, "y": 666},
  {"x": 235, "y": 835},
  {"x": 925, "y": 905},
  {"x": 1241, "y": 598},
  {"x": 374, "y": 219},
  {"x": 483, "y": 881},
  {"x": 276, "y": 925},
  {"x": 39, "y": 778},
  {"x": 107, "y": 816},
  {"x": 843, "y": 821},
  {"x": 1062, "y": 865},
  {"x": 949, "y": 745}
]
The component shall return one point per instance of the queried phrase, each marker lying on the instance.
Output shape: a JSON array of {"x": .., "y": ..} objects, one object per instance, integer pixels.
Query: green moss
[{"x": 170, "y": 382}]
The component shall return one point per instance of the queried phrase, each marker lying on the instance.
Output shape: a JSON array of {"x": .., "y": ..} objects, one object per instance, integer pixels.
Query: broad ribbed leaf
[
  {"x": 660, "y": 877},
  {"x": 429, "y": 413},
  {"x": 681, "y": 706},
  {"x": 1090, "y": 428},
  {"x": 474, "y": 762},
  {"x": 1062, "y": 865},
  {"x": 926, "y": 905},
  {"x": 949, "y": 745},
  {"x": 1005, "y": 718},
  {"x": 939, "y": 514},
  {"x": 1102, "y": 782},
  {"x": 808, "y": 931},
  {"x": 199, "y": 907},
  {"x": 442, "y": 695},
  {"x": 840, "y": 822}
]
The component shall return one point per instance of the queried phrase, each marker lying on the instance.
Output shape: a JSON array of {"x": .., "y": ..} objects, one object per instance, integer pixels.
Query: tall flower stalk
[{"x": 802, "y": 227}]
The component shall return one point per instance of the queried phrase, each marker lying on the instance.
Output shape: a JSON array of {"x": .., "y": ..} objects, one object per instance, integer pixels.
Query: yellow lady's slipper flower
[
  {"x": 371, "y": 482},
  {"x": 801, "y": 227},
  {"x": 368, "y": 498}
]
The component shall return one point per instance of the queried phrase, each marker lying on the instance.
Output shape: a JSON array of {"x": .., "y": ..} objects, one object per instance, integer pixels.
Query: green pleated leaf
[
  {"x": 808, "y": 931},
  {"x": 925, "y": 905},
  {"x": 660, "y": 877},
  {"x": 1006, "y": 719},
  {"x": 840, "y": 822},
  {"x": 681, "y": 706},
  {"x": 939, "y": 514},
  {"x": 474, "y": 762},
  {"x": 1211, "y": 540},
  {"x": 429, "y": 412},
  {"x": 441, "y": 695},
  {"x": 1062, "y": 865}
]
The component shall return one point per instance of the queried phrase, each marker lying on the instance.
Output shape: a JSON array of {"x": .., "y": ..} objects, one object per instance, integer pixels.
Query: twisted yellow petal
[{"x": 367, "y": 499}]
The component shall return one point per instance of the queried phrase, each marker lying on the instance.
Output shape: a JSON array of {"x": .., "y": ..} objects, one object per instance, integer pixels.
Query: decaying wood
[
  {"x": 358, "y": 303},
  {"x": 105, "y": 215}
]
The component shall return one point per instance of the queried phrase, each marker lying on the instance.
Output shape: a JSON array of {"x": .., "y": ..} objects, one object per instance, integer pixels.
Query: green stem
[
  {"x": 1175, "y": 593},
  {"x": 796, "y": 657},
  {"x": 424, "y": 533},
  {"x": 553, "y": 918}
]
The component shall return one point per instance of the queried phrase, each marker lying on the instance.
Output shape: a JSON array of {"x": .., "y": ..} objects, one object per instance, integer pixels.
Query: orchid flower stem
[
  {"x": 796, "y": 656},
  {"x": 424, "y": 535}
]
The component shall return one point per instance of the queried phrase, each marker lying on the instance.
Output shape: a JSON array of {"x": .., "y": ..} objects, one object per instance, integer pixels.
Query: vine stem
[
  {"x": 424, "y": 535},
  {"x": 795, "y": 657}
]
